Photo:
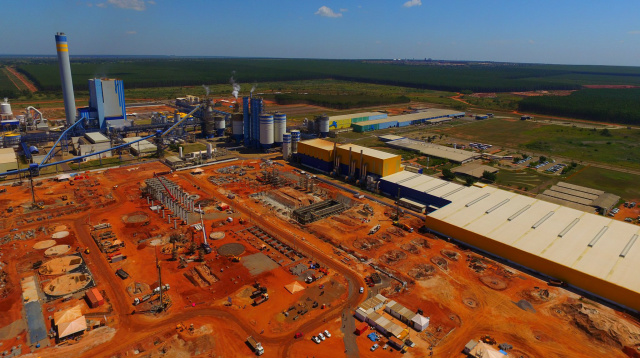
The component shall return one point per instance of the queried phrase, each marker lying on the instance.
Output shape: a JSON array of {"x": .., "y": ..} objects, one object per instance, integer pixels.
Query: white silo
[
  {"x": 266, "y": 131},
  {"x": 279, "y": 127},
  {"x": 295, "y": 138},
  {"x": 5, "y": 109},
  {"x": 286, "y": 146},
  {"x": 219, "y": 125},
  {"x": 209, "y": 150},
  {"x": 237, "y": 127}
]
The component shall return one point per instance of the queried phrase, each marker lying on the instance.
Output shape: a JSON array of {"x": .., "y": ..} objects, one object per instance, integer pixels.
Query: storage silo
[
  {"x": 208, "y": 123},
  {"x": 279, "y": 127},
  {"x": 219, "y": 125},
  {"x": 5, "y": 109},
  {"x": 266, "y": 131},
  {"x": 286, "y": 145},
  {"x": 209, "y": 150},
  {"x": 295, "y": 138},
  {"x": 246, "y": 122},
  {"x": 11, "y": 140},
  {"x": 323, "y": 125},
  {"x": 237, "y": 127}
]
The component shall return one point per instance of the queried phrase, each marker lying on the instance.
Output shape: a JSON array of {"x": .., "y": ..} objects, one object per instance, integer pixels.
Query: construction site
[{"x": 295, "y": 242}]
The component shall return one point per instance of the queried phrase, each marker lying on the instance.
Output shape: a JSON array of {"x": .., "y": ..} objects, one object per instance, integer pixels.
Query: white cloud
[
  {"x": 412, "y": 3},
  {"x": 344, "y": 10},
  {"x": 101, "y": 4},
  {"x": 635, "y": 32},
  {"x": 327, "y": 12},
  {"x": 138, "y": 5},
  {"x": 151, "y": 2},
  {"x": 131, "y": 32}
]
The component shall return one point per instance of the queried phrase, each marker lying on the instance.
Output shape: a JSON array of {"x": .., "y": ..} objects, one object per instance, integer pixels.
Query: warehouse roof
[
  {"x": 144, "y": 145},
  {"x": 377, "y": 121},
  {"x": 595, "y": 245},
  {"x": 389, "y": 137},
  {"x": 579, "y": 197},
  {"x": 367, "y": 151},
  {"x": 318, "y": 143},
  {"x": 7, "y": 155},
  {"x": 96, "y": 137},
  {"x": 427, "y": 114},
  {"x": 435, "y": 150},
  {"x": 474, "y": 169}
]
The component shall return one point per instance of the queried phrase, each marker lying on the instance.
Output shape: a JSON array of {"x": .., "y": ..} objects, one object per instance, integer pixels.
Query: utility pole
[{"x": 161, "y": 307}]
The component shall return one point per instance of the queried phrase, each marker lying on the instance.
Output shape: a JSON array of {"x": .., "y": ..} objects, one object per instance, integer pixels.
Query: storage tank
[
  {"x": 219, "y": 125},
  {"x": 11, "y": 140},
  {"x": 279, "y": 127},
  {"x": 208, "y": 123},
  {"x": 237, "y": 127},
  {"x": 323, "y": 125},
  {"x": 5, "y": 109},
  {"x": 286, "y": 146},
  {"x": 209, "y": 150},
  {"x": 295, "y": 138},
  {"x": 266, "y": 131}
]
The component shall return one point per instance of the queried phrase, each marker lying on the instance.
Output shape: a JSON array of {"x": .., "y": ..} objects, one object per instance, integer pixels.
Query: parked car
[
  {"x": 326, "y": 333},
  {"x": 374, "y": 347},
  {"x": 321, "y": 336},
  {"x": 315, "y": 339},
  {"x": 361, "y": 289}
]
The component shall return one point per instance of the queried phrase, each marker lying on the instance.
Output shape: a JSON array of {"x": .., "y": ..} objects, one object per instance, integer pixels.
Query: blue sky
[{"x": 566, "y": 31}]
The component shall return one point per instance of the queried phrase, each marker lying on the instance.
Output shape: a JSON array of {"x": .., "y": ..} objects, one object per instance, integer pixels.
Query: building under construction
[{"x": 317, "y": 211}]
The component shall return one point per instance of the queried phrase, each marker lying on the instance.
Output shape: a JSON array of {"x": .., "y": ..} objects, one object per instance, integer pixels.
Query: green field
[
  {"x": 495, "y": 77},
  {"x": 7, "y": 88},
  {"x": 527, "y": 179},
  {"x": 619, "y": 147},
  {"x": 338, "y": 101},
  {"x": 623, "y": 184}
]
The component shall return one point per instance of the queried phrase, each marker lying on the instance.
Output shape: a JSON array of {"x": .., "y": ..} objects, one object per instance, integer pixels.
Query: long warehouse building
[
  {"x": 347, "y": 159},
  {"x": 429, "y": 115},
  {"x": 591, "y": 252},
  {"x": 346, "y": 120}
]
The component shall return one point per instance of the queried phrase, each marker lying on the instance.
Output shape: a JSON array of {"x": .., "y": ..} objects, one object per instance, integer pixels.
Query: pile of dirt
[
  {"x": 385, "y": 237},
  {"x": 421, "y": 242},
  {"x": 366, "y": 243},
  {"x": 392, "y": 257},
  {"x": 344, "y": 220},
  {"x": 422, "y": 271},
  {"x": 411, "y": 248},
  {"x": 494, "y": 282},
  {"x": 451, "y": 255},
  {"x": 442, "y": 263}
]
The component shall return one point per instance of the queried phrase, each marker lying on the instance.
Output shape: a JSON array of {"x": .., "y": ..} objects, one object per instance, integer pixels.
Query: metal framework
[{"x": 317, "y": 211}]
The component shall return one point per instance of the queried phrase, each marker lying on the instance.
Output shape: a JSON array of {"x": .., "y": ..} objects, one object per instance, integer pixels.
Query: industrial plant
[{"x": 276, "y": 237}]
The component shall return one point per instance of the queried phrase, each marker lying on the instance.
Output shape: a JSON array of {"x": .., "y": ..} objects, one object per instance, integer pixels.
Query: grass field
[
  {"x": 527, "y": 179},
  {"x": 623, "y": 184},
  {"x": 7, "y": 88},
  {"x": 619, "y": 147}
]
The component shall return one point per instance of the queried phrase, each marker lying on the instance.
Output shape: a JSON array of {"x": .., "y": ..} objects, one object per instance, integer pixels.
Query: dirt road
[{"x": 22, "y": 79}]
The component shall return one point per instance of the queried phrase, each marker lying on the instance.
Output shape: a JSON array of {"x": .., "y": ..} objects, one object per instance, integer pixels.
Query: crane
[{"x": 205, "y": 245}]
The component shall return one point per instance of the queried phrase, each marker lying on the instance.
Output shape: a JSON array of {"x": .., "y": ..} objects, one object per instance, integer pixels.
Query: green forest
[
  {"x": 602, "y": 105},
  {"x": 339, "y": 101}
]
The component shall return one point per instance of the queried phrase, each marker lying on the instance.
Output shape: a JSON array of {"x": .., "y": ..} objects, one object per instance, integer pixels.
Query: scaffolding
[{"x": 317, "y": 211}]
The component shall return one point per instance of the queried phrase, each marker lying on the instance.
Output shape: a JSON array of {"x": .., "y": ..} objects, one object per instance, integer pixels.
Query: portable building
[
  {"x": 419, "y": 322},
  {"x": 94, "y": 298},
  {"x": 362, "y": 328},
  {"x": 395, "y": 343}
]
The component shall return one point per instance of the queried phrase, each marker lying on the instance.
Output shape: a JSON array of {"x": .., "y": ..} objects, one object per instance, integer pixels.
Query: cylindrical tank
[
  {"x": 237, "y": 126},
  {"x": 11, "y": 140},
  {"x": 5, "y": 108},
  {"x": 266, "y": 131},
  {"x": 180, "y": 152},
  {"x": 208, "y": 126},
  {"x": 286, "y": 146},
  {"x": 279, "y": 127},
  {"x": 210, "y": 149},
  {"x": 65, "y": 77},
  {"x": 295, "y": 138},
  {"x": 33, "y": 150},
  {"x": 311, "y": 126},
  {"x": 219, "y": 125},
  {"x": 323, "y": 125}
]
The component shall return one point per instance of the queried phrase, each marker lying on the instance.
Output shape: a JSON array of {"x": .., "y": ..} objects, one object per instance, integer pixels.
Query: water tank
[
  {"x": 208, "y": 123},
  {"x": 11, "y": 140},
  {"x": 286, "y": 145},
  {"x": 295, "y": 138},
  {"x": 5, "y": 108},
  {"x": 279, "y": 127},
  {"x": 219, "y": 125},
  {"x": 209, "y": 150},
  {"x": 266, "y": 131},
  {"x": 237, "y": 126},
  {"x": 323, "y": 125}
]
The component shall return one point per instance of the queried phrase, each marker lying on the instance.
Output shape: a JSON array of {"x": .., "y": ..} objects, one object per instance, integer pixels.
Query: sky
[{"x": 564, "y": 32}]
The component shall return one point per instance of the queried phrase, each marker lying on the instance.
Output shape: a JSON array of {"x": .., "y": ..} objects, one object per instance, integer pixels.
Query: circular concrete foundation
[
  {"x": 60, "y": 234},
  {"x": 60, "y": 265},
  {"x": 66, "y": 284},
  {"x": 136, "y": 218},
  {"x": 217, "y": 235},
  {"x": 57, "y": 250},
  {"x": 44, "y": 244},
  {"x": 232, "y": 249}
]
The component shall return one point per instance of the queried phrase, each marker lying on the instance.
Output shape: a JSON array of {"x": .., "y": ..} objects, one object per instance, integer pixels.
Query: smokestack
[{"x": 65, "y": 77}]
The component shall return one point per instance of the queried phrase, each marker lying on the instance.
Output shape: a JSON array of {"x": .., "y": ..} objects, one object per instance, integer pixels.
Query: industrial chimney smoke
[{"x": 65, "y": 77}]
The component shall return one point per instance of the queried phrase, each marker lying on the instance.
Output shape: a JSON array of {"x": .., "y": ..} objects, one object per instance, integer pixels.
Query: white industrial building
[
  {"x": 8, "y": 160},
  {"x": 143, "y": 147}
]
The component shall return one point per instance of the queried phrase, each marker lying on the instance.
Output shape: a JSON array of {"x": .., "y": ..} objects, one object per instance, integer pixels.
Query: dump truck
[
  {"x": 403, "y": 226},
  {"x": 261, "y": 290},
  {"x": 261, "y": 299},
  {"x": 255, "y": 345}
]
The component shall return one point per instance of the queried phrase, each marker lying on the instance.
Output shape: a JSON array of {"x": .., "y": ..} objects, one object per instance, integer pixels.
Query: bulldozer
[
  {"x": 488, "y": 339},
  {"x": 179, "y": 327},
  {"x": 234, "y": 258}
]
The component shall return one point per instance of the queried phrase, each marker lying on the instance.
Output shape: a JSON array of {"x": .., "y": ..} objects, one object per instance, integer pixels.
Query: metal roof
[
  {"x": 96, "y": 137},
  {"x": 435, "y": 150},
  {"x": 318, "y": 143},
  {"x": 354, "y": 115},
  {"x": 7, "y": 155},
  {"x": 367, "y": 151},
  {"x": 595, "y": 245}
]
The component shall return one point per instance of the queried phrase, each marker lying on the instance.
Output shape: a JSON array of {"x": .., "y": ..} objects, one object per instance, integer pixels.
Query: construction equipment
[
  {"x": 488, "y": 339},
  {"x": 260, "y": 300},
  {"x": 205, "y": 245},
  {"x": 374, "y": 229},
  {"x": 179, "y": 327},
  {"x": 255, "y": 345},
  {"x": 234, "y": 258},
  {"x": 403, "y": 226}
]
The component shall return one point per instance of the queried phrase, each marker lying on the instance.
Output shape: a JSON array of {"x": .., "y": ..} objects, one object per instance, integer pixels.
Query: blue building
[{"x": 106, "y": 103}]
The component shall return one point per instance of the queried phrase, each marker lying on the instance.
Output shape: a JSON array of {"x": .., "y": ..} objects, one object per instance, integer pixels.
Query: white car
[
  {"x": 315, "y": 339},
  {"x": 321, "y": 336},
  {"x": 361, "y": 289},
  {"x": 326, "y": 333}
]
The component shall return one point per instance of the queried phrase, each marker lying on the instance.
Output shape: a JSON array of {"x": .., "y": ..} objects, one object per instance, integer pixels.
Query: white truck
[{"x": 255, "y": 345}]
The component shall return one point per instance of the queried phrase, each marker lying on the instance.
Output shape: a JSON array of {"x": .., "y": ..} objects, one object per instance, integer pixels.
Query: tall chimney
[{"x": 65, "y": 77}]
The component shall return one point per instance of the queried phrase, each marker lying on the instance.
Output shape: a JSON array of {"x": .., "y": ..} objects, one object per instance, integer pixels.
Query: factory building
[
  {"x": 431, "y": 115},
  {"x": 8, "y": 160},
  {"x": 594, "y": 253},
  {"x": 434, "y": 150},
  {"x": 345, "y": 120},
  {"x": 106, "y": 103},
  {"x": 347, "y": 160},
  {"x": 143, "y": 147},
  {"x": 579, "y": 197},
  {"x": 90, "y": 143}
]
